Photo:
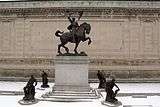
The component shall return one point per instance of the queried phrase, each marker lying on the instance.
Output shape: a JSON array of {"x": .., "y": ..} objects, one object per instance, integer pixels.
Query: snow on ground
[
  {"x": 150, "y": 100},
  {"x": 136, "y": 87},
  {"x": 12, "y": 101},
  {"x": 124, "y": 87},
  {"x": 16, "y": 86}
]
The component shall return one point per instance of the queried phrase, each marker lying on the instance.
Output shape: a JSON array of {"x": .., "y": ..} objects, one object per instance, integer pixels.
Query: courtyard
[
  {"x": 131, "y": 95},
  {"x": 125, "y": 35}
]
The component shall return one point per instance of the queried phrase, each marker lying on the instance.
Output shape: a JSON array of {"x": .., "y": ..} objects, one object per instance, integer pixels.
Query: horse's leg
[
  {"x": 88, "y": 38},
  {"x": 67, "y": 50},
  {"x": 59, "y": 47},
  {"x": 75, "y": 49}
]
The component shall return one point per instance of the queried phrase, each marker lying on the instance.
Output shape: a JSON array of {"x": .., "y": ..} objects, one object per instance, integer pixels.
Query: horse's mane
[{"x": 83, "y": 24}]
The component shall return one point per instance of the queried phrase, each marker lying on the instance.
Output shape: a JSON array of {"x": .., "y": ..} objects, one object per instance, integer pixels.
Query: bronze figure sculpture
[
  {"x": 29, "y": 89},
  {"x": 102, "y": 79},
  {"x": 110, "y": 96},
  {"x": 44, "y": 80},
  {"x": 75, "y": 35}
]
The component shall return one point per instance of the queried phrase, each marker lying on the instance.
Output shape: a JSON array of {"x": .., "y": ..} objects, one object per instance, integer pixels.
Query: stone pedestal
[
  {"x": 71, "y": 73},
  {"x": 71, "y": 80}
]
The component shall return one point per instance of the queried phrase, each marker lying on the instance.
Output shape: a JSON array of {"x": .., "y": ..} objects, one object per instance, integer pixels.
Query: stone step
[
  {"x": 70, "y": 97},
  {"x": 71, "y": 88},
  {"x": 71, "y": 94},
  {"x": 64, "y": 100}
]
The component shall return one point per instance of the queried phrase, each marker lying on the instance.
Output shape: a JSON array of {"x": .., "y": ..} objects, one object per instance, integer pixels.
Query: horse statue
[{"x": 66, "y": 37}]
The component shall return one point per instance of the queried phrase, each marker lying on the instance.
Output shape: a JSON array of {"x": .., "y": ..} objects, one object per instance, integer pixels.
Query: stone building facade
[{"x": 125, "y": 35}]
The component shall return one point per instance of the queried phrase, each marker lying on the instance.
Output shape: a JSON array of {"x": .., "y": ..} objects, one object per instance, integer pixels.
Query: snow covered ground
[{"x": 153, "y": 101}]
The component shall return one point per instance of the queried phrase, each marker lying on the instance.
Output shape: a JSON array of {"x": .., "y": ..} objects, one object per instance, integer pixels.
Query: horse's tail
[{"x": 57, "y": 33}]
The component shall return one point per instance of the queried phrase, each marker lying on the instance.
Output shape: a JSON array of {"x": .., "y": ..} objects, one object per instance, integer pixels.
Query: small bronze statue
[
  {"x": 29, "y": 89},
  {"x": 102, "y": 79},
  {"x": 44, "y": 80},
  {"x": 110, "y": 96}
]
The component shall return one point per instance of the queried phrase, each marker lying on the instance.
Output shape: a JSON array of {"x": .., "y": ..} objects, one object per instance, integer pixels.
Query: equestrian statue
[{"x": 76, "y": 34}]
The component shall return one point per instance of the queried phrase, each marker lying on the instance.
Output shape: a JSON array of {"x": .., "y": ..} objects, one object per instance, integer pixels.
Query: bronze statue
[
  {"x": 29, "y": 89},
  {"x": 102, "y": 79},
  {"x": 76, "y": 35},
  {"x": 110, "y": 96},
  {"x": 44, "y": 80},
  {"x": 74, "y": 25}
]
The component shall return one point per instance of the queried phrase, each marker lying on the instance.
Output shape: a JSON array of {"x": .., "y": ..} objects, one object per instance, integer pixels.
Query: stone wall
[
  {"x": 112, "y": 38},
  {"x": 125, "y": 35}
]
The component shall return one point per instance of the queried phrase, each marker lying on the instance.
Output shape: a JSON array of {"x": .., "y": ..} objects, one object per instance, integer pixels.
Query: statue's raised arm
[
  {"x": 80, "y": 14},
  {"x": 70, "y": 20}
]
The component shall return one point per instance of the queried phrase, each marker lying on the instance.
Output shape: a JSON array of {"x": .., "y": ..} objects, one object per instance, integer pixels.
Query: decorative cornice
[
  {"x": 149, "y": 19},
  {"x": 90, "y": 8},
  {"x": 88, "y": 12},
  {"x": 101, "y": 4}
]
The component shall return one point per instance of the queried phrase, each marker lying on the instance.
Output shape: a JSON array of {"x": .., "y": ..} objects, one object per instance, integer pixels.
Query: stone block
[{"x": 71, "y": 73}]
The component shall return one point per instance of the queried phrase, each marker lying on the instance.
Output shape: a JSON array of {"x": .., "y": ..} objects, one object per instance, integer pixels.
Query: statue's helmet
[
  {"x": 73, "y": 19},
  {"x": 113, "y": 80}
]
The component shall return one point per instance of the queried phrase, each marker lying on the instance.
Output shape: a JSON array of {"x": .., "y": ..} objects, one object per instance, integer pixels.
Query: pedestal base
[
  {"x": 71, "y": 80},
  {"x": 71, "y": 73},
  {"x": 109, "y": 104},
  {"x": 70, "y": 96},
  {"x": 71, "y": 88},
  {"x": 23, "y": 102},
  {"x": 45, "y": 86}
]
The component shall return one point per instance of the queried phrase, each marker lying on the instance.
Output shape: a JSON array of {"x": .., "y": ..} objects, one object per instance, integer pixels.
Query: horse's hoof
[
  {"x": 59, "y": 53},
  {"x": 67, "y": 51},
  {"x": 89, "y": 42},
  {"x": 76, "y": 53}
]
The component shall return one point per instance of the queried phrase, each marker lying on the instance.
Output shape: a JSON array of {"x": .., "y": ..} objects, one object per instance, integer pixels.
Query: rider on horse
[
  {"x": 74, "y": 26},
  {"x": 76, "y": 32}
]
